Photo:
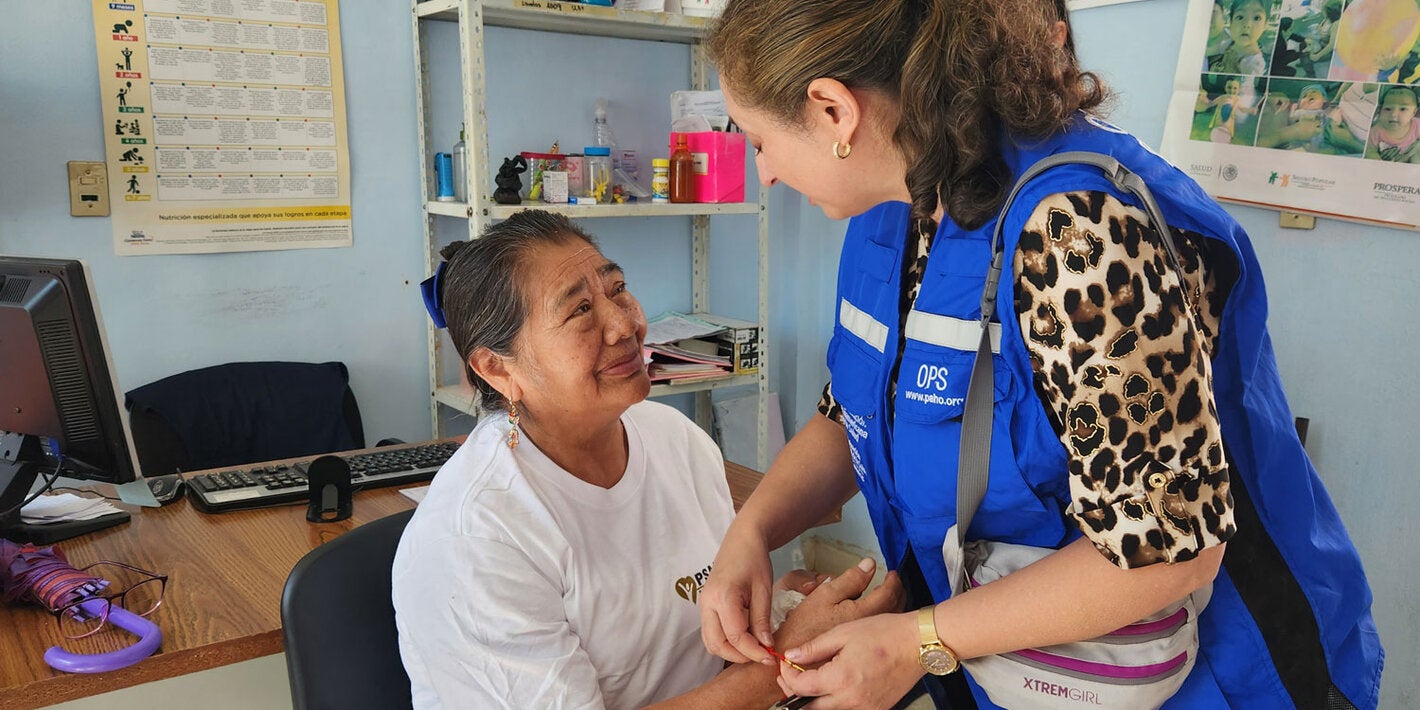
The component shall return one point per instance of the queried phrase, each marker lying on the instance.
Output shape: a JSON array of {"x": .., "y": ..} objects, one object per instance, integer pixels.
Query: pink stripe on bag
[
  {"x": 1172, "y": 620},
  {"x": 1103, "y": 669}
]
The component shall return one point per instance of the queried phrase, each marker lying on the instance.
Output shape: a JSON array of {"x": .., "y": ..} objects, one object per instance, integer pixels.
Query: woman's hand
[
  {"x": 838, "y": 601},
  {"x": 734, "y": 604},
  {"x": 812, "y": 475},
  {"x": 870, "y": 663}
]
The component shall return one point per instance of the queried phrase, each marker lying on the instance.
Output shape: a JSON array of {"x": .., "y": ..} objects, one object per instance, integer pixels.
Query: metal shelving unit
[{"x": 568, "y": 17}]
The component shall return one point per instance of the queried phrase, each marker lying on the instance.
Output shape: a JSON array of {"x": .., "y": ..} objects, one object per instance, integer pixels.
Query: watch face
[{"x": 937, "y": 661}]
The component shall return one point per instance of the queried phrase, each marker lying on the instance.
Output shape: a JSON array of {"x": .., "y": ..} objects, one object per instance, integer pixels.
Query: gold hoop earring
[
  {"x": 847, "y": 150},
  {"x": 513, "y": 425}
]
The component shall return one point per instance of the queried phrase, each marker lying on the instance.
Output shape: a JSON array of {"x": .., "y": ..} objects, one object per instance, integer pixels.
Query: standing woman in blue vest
[{"x": 1141, "y": 428}]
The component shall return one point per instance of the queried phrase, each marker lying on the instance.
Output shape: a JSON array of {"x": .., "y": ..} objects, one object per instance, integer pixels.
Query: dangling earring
[
  {"x": 513, "y": 424},
  {"x": 847, "y": 150}
]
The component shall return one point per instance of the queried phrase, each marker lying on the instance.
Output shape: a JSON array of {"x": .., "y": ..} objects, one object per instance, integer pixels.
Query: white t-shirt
[{"x": 518, "y": 585}]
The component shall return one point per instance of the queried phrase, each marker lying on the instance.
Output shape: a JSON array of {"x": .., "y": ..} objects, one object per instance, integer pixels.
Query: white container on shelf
[
  {"x": 702, "y": 8},
  {"x": 554, "y": 187},
  {"x": 644, "y": 5}
]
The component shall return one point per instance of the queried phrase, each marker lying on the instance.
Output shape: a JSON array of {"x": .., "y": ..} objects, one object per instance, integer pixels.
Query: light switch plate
[
  {"x": 88, "y": 189},
  {"x": 1296, "y": 220}
]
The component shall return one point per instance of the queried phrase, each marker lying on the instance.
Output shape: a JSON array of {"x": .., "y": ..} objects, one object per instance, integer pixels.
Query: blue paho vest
[{"x": 1291, "y": 565}]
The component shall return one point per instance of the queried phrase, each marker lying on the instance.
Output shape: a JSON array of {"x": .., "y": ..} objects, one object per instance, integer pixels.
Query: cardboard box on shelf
[{"x": 739, "y": 340}]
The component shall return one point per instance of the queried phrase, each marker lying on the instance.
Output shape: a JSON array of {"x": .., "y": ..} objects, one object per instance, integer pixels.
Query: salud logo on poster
[{"x": 1279, "y": 179}]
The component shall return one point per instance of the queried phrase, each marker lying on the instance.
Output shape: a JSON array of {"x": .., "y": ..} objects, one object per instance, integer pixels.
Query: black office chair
[
  {"x": 342, "y": 649},
  {"x": 241, "y": 413}
]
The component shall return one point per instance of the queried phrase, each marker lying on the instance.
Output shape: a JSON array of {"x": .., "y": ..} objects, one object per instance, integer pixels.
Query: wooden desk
[{"x": 226, "y": 572}]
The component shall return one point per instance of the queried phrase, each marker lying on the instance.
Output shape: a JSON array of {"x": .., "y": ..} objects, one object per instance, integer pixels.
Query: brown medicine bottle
[{"x": 682, "y": 172}]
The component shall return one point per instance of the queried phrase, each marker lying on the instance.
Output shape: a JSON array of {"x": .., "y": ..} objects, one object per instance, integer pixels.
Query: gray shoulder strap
[{"x": 975, "y": 462}]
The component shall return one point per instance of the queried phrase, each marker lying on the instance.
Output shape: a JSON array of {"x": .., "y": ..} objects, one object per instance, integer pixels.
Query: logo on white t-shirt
[{"x": 689, "y": 587}]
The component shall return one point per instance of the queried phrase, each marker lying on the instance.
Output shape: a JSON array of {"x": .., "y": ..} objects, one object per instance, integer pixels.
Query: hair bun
[{"x": 453, "y": 248}]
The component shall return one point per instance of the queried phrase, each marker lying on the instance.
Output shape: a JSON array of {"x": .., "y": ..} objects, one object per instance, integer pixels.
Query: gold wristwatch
[{"x": 934, "y": 655}]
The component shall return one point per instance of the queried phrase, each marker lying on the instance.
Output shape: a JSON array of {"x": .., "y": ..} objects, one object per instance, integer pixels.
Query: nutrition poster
[
  {"x": 1304, "y": 105},
  {"x": 224, "y": 124}
]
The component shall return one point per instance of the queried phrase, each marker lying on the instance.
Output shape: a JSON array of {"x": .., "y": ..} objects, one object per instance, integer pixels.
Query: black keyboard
[{"x": 263, "y": 486}]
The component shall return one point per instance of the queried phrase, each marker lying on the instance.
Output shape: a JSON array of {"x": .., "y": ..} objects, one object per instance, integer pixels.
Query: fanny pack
[{"x": 1137, "y": 667}]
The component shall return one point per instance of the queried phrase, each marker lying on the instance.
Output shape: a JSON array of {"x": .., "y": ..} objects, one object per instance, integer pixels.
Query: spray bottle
[{"x": 460, "y": 155}]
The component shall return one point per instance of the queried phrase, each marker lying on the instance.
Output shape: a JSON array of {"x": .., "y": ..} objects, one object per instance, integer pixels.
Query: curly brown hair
[{"x": 966, "y": 75}]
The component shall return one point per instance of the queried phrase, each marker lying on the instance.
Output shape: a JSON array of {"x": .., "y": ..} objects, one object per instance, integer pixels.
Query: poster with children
[{"x": 1302, "y": 105}]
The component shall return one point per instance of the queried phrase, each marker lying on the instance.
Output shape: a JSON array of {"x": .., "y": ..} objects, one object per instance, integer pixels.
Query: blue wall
[
  {"x": 1340, "y": 294},
  {"x": 166, "y": 314}
]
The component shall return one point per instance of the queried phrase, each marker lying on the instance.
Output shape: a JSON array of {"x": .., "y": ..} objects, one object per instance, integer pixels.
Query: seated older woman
[{"x": 557, "y": 557}]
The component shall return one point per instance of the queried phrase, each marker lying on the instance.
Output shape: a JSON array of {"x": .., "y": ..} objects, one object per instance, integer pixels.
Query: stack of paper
[
  {"x": 698, "y": 111},
  {"x": 677, "y": 349},
  {"x": 60, "y": 507}
]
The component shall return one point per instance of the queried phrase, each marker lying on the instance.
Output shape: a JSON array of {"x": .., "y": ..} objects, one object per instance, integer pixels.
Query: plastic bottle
[
  {"x": 460, "y": 156},
  {"x": 682, "y": 172},
  {"x": 660, "y": 180},
  {"x": 596, "y": 164},
  {"x": 601, "y": 132},
  {"x": 444, "y": 178}
]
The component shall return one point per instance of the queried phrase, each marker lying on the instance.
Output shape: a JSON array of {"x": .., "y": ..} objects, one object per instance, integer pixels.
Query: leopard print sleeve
[
  {"x": 828, "y": 406},
  {"x": 1126, "y": 376}
]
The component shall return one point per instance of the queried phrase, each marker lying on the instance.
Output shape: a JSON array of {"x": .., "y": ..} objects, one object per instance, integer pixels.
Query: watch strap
[{"x": 927, "y": 626}]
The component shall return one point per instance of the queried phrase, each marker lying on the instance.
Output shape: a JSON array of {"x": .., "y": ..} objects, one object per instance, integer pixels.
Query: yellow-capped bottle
[{"x": 660, "y": 180}]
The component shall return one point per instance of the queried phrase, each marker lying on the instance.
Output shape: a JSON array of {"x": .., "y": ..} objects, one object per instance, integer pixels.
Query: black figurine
[{"x": 509, "y": 185}]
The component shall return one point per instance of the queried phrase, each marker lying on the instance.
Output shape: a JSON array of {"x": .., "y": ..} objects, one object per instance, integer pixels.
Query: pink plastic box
[{"x": 719, "y": 165}]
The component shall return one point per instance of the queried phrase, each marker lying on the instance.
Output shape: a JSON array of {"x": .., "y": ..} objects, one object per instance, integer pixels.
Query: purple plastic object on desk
[
  {"x": 150, "y": 637},
  {"x": 44, "y": 576}
]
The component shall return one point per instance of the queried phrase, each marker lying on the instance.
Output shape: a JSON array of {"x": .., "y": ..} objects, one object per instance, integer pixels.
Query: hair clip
[{"x": 433, "y": 291}]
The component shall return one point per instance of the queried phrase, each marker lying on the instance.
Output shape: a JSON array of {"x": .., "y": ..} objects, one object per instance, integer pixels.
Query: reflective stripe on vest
[
  {"x": 949, "y": 332},
  {"x": 858, "y": 322}
]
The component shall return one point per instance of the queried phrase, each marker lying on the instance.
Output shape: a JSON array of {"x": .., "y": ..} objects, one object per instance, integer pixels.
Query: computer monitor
[{"x": 59, "y": 407}]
